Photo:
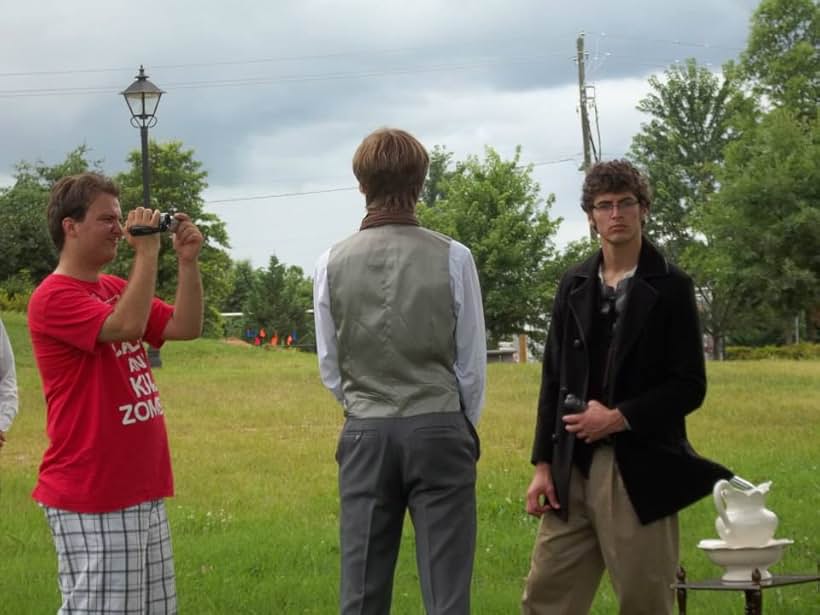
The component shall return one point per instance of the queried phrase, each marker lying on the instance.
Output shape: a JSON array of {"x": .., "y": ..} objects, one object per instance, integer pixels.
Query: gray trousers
[{"x": 424, "y": 463}]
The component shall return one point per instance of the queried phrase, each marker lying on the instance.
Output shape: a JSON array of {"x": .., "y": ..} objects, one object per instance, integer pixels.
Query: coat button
[
  {"x": 576, "y": 343},
  {"x": 555, "y": 437}
]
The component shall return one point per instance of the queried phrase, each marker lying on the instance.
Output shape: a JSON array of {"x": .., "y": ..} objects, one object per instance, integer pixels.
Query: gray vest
[{"x": 395, "y": 322}]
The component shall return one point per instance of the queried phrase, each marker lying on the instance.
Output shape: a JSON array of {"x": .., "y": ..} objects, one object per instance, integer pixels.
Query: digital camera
[{"x": 167, "y": 222}]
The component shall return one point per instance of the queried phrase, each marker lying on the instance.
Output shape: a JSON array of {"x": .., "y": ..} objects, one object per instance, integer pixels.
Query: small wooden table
[{"x": 753, "y": 589}]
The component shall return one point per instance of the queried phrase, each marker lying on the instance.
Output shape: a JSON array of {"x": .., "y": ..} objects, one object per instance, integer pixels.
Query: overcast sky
[{"x": 275, "y": 96}]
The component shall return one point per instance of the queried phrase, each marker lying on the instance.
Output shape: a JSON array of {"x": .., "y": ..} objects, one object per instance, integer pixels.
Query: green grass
[{"x": 254, "y": 520}]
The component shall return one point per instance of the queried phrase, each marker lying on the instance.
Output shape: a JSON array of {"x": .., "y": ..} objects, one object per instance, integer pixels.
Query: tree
[
  {"x": 177, "y": 182},
  {"x": 765, "y": 220},
  {"x": 440, "y": 161},
  {"x": 726, "y": 305},
  {"x": 281, "y": 300},
  {"x": 573, "y": 253},
  {"x": 493, "y": 207},
  {"x": 694, "y": 115},
  {"x": 782, "y": 58},
  {"x": 243, "y": 279},
  {"x": 26, "y": 249},
  {"x": 734, "y": 198},
  {"x": 691, "y": 113},
  {"x": 773, "y": 261}
]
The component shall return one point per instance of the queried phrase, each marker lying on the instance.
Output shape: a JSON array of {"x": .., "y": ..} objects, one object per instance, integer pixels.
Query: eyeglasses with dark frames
[{"x": 606, "y": 207}]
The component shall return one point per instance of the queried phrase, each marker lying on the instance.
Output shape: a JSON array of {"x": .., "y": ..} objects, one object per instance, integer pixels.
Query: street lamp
[{"x": 142, "y": 98}]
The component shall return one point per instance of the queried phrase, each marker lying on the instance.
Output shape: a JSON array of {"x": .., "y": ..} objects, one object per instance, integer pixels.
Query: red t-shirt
[{"x": 108, "y": 446}]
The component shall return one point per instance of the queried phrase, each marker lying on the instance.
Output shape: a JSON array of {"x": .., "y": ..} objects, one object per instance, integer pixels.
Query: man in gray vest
[{"x": 401, "y": 343}]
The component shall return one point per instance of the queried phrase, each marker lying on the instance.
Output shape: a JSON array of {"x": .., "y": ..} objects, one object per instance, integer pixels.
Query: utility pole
[
  {"x": 582, "y": 91},
  {"x": 584, "y": 106}
]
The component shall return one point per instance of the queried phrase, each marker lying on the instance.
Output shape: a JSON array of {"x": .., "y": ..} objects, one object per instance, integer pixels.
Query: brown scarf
[{"x": 380, "y": 218}]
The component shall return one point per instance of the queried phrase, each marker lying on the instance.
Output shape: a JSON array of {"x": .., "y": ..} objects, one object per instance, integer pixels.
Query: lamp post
[{"x": 142, "y": 98}]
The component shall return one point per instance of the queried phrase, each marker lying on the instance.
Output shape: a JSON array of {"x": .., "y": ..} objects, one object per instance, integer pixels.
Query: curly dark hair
[{"x": 615, "y": 176}]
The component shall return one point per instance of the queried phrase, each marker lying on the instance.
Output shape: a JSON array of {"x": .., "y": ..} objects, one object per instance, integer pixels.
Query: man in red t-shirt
[{"x": 107, "y": 467}]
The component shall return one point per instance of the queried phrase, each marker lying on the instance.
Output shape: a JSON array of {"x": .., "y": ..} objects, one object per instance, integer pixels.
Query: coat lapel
[
  {"x": 639, "y": 305},
  {"x": 582, "y": 297}
]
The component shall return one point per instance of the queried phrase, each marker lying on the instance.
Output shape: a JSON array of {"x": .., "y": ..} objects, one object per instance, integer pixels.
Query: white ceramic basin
[{"x": 739, "y": 562}]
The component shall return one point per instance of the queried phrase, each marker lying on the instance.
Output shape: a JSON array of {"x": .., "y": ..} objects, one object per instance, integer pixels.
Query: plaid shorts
[{"x": 117, "y": 562}]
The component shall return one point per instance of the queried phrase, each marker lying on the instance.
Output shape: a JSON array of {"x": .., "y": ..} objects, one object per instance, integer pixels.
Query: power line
[
  {"x": 36, "y": 92},
  {"x": 269, "y": 60},
  {"x": 600, "y": 57},
  {"x": 666, "y": 61},
  {"x": 340, "y": 54},
  {"x": 547, "y": 162},
  {"x": 669, "y": 41},
  {"x": 360, "y": 75},
  {"x": 280, "y": 195},
  {"x": 249, "y": 81},
  {"x": 252, "y": 81}
]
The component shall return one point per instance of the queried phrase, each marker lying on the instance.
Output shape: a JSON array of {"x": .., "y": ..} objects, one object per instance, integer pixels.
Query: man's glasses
[{"x": 606, "y": 207}]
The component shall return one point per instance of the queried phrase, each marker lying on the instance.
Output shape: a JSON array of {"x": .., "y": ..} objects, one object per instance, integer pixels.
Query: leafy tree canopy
[{"x": 493, "y": 206}]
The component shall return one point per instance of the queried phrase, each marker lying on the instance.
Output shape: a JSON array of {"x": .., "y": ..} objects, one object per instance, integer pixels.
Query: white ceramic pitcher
[{"x": 743, "y": 519}]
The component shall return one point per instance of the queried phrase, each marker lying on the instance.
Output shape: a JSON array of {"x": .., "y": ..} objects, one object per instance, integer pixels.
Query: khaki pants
[{"x": 603, "y": 531}]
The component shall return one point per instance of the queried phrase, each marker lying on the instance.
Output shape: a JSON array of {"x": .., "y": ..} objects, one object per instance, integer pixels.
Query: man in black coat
[{"x": 623, "y": 366}]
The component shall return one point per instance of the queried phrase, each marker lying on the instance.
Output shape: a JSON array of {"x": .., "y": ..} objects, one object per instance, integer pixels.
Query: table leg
[
  {"x": 681, "y": 591},
  {"x": 754, "y": 602}
]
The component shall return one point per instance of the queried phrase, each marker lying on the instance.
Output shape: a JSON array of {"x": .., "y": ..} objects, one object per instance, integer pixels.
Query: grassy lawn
[{"x": 254, "y": 519}]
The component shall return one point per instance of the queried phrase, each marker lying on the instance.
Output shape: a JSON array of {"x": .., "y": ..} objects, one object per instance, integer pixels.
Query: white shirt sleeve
[
  {"x": 471, "y": 336},
  {"x": 326, "y": 347},
  {"x": 8, "y": 382}
]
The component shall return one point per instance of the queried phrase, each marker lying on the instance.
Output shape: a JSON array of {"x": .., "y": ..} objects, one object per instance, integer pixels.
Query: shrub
[
  {"x": 800, "y": 351},
  {"x": 15, "y": 292}
]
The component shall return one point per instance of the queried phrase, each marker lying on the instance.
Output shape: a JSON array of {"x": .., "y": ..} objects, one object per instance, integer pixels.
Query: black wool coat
[{"x": 657, "y": 378}]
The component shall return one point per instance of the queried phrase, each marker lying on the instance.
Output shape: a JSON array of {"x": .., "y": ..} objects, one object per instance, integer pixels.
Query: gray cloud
[{"x": 274, "y": 97}]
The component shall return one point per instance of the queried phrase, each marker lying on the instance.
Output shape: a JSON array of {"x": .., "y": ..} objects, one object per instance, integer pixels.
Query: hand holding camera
[
  {"x": 167, "y": 222},
  {"x": 187, "y": 239},
  {"x": 141, "y": 241}
]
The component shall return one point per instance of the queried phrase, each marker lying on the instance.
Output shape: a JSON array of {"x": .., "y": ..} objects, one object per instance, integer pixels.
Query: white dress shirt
[
  {"x": 8, "y": 382},
  {"x": 471, "y": 343}
]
